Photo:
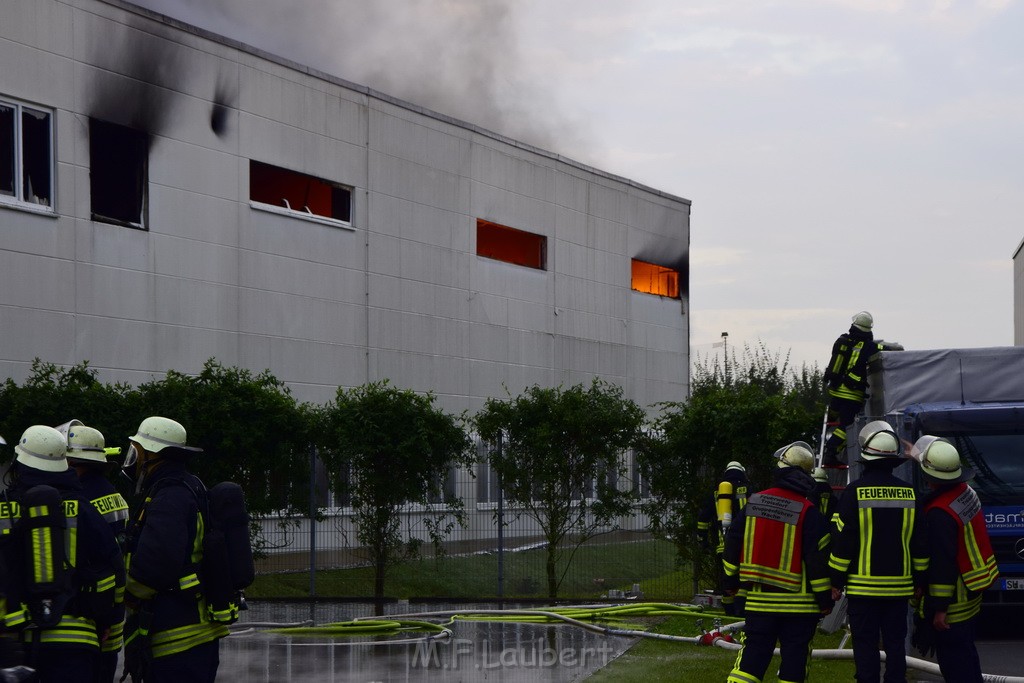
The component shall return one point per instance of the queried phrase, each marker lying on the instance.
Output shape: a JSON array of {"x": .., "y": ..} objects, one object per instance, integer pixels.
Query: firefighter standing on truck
[
  {"x": 777, "y": 547},
  {"x": 878, "y": 555},
  {"x": 67, "y": 568},
  {"x": 846, "y": 379},
  {"x": 961, "y": 563},
  {"x": 87, "y": 454},
  {"x": 169, "y": 635}
]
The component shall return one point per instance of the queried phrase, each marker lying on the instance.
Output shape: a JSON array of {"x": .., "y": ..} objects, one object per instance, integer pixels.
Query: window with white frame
[
  {"x": 640, "y": 479},
  {"x": 443, "y": 489},
  {"x": 281, "y": 190},
  {"x": 26, "y": 155},
  {"x": 487, "y": 484}
]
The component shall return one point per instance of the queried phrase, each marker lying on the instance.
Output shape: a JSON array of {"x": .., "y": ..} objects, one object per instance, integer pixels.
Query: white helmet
[
  {"x": 42, "y": 448},
  {"x": 863, "y": 321},
  {"x": 878, "y": 440},
  {"x": 819, "y": 474},
  {"x": 796, "y": 454},
  {"x": 157, "y": 433},
  {"x": 735, "y": 465},
  {"x": 86, "y": 443},
  {"x": 940, "y": 460}
]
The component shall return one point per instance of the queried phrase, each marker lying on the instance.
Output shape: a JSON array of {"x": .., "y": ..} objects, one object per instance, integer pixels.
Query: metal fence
[{"x": 498, "y": 553}]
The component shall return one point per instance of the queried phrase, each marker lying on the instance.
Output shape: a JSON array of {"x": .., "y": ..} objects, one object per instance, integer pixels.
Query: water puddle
[{"x": 502, "y": 652}]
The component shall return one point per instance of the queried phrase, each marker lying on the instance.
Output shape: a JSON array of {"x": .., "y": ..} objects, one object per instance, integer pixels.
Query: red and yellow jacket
[{"x": 961, "y": 562}]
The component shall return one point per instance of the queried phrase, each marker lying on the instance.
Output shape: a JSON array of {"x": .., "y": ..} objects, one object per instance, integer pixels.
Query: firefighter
[
  {"x": 728, "y": 498},
  {"x": 878, "y": 555},
  {"x": 169, "y": 635},
  {"x": 822, "y": 494},
  {"x": 961, "y": 563},
  {"x": 777, "y": 548},
  {"x": 846, "y": 379},
  {"x": 88, "y": 456},
  {"x": 67, "y": 565}
]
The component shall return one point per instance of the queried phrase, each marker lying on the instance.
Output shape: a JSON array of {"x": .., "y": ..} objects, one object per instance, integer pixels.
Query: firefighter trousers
[
  {"x": 793, "y": 632},
  {"x": 874, "y": 619},
  {"x": 957, "y": 654}
]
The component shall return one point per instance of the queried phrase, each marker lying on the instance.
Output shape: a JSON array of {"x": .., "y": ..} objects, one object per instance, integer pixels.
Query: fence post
[
  {"x": 312, "y": 521},
  {"x": 501, "y": 530}
]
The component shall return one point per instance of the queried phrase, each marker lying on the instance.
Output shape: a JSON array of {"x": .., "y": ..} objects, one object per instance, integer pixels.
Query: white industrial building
[
  {"x": 1018, "y": 295},
  {"x": 168, "y": 195}
]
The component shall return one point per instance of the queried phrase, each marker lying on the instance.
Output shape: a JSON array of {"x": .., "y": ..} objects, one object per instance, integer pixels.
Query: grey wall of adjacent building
[
  {"x": 398, "y": 293},
  {"x": 1018, "y": 295}
]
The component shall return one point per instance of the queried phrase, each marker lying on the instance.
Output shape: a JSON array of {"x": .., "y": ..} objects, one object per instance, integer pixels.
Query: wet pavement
[
  {"x": 503, "y": 652},
  {"x": 492, "y": 652}
]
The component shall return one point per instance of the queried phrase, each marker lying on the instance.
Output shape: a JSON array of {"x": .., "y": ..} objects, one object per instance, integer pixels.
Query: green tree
[
  {"x": 53, "y": 395},
  {"x": 251, "y": 430},
  {"x": 559, "y": 461},
  {"x": 746, "y": 414},
  {"x": 387, "y": 449}
]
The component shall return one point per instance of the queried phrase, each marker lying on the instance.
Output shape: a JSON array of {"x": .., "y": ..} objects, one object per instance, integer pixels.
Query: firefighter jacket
[
  {"x": 823, "y": 498},
  {"x": 93, "y": 557},
  {"x": 961, "y": 563},
  {"x": 114, "y": 509},
  {"x": 878, "y": 550},
  {"x": 846, "y": 375},
  {"x": 164, "y": 552},
  {"x": 777, "y": 548},
  {"x": 729, "y": 497}
]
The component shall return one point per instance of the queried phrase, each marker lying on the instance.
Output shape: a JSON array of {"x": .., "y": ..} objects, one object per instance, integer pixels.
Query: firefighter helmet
[
  {"x": 735, "y": 465},
  {"x": 863, "y": 321},
  {"x": 878, "y": 440},
  {"x": 157, "y": 433},
  {"x": 819, "y": 474},
  {"x": 940, "y": 460},
  {"x": 796, "y": 454},
  {"x": 86, "y": 443},
  {"x": 42, "y": 448}
]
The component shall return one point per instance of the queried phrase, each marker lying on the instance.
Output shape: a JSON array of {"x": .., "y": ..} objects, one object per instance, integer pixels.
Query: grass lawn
[
  {"x": 594, "y": 570},
  {"x": 653, "y": 661}
]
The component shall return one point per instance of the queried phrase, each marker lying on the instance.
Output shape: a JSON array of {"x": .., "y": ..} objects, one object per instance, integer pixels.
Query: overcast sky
[{"x": 840, "y": 154}]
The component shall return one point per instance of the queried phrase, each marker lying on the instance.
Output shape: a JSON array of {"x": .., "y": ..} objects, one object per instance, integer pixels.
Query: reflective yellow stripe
[
  {"x": 180, "y": 639},
  {"x": 71, "y": 629},
  {"x": 788, "y": 540},
  {"x": 188, "y": 582},
  {"x": 864, "y": 559}
]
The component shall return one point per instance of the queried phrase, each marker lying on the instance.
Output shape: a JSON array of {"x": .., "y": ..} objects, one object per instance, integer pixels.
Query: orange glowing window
[
  {"x": 297, "y": 192},
  {"x": 510, "y": 245},
  {"x": 653, "y": 279}
]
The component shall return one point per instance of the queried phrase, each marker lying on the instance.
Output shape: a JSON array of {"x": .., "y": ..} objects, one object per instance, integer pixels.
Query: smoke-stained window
[
  {"x": 26, "y": 155},
  {"x": 652, "y": 279},
  {"x": 281, "y": 190},
  {"x": 507, "y": 244},
  {"x": 118, "y": 173}
]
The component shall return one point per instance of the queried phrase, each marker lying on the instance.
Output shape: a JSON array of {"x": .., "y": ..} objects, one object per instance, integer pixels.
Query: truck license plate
[{"x": 1013, "y": 584}]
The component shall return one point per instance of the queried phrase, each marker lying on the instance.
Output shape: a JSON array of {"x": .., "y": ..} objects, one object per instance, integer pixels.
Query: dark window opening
[
  {"x": 26, "y": 156},
  {"x": 118, "y": 173},
  {"x": 36, "y": 180},
  {"x": 298, "y": 192},
  {"x": 510, "y": 245},
  {"x": 652, "y": 279}
]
